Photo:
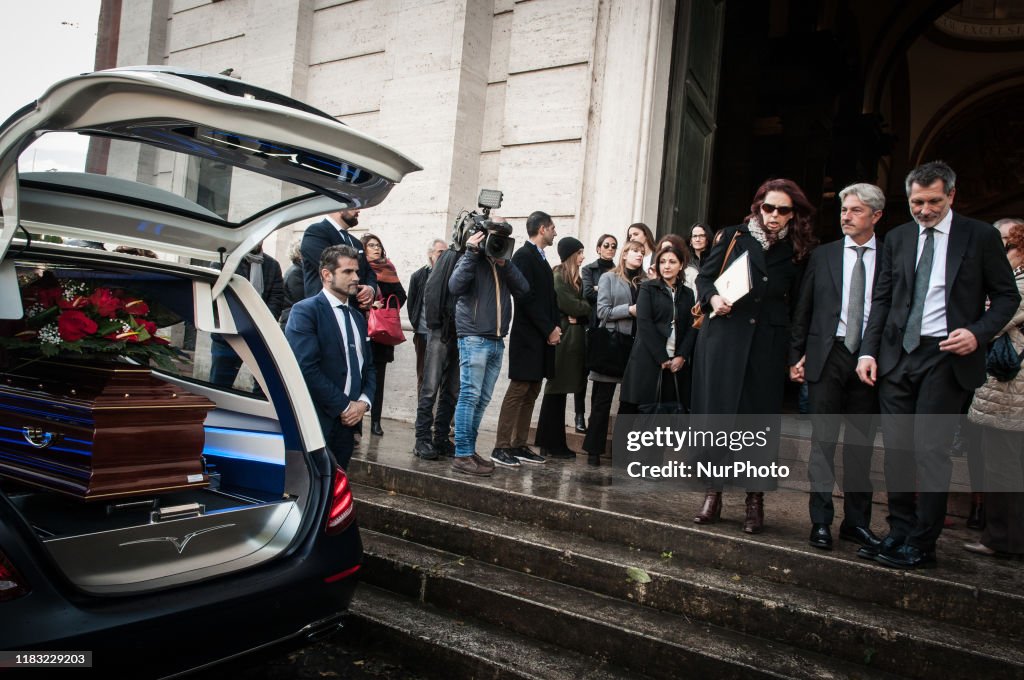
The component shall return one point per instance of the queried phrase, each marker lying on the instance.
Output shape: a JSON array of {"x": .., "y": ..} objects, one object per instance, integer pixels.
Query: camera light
[{"x": 489, "y": 198}]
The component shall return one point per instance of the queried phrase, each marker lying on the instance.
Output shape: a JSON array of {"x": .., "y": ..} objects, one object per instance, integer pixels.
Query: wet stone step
[
  {"x": 858, "y": 632},
  {"x": 638, "y": 639},
  {"x": 450, "y": 646},
  {"x": 965, "y": 590}
]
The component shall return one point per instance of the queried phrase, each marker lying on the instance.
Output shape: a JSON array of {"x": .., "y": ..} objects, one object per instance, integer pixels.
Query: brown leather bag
[{"x": 697, "y": 311}]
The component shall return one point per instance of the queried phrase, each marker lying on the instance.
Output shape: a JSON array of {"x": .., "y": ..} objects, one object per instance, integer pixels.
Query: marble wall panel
[
  {"x": 349, "y": 30},
  {"x": 207, "y": 24},
  {"x": 501, "y": 40},
  {"x": 348, "y": 86},
  {"x": 546, "y": 105},
  {"x": 547, "y": 33},
  {"x": 540, "y": 177}
]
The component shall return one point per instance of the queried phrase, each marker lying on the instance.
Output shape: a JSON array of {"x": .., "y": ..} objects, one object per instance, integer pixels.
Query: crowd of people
[{"x": 874, "y": 329}]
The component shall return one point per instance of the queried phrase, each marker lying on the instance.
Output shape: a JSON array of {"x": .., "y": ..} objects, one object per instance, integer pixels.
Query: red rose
[
  {"x": 48, "y": 297},
  {"x": 74, "y": 325},
  {"x": 104, "y": 302}
]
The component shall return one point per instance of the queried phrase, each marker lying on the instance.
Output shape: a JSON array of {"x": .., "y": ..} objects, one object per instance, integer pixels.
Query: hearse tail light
[
  {"x": 11, "y": 584},
  {"x": 342, "y": 512}
]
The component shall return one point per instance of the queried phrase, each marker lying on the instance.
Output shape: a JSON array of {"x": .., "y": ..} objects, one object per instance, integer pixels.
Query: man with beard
[{"x": 333, "y": 231}]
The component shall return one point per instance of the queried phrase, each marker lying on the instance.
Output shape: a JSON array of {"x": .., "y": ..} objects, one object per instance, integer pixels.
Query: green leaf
[{"x": 637, "y": 575}]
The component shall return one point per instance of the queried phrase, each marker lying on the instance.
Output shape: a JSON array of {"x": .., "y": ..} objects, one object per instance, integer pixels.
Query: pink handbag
[{"x": 384, "y": 323}]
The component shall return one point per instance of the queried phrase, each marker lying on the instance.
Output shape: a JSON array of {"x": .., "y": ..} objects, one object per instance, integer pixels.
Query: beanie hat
[{"x": 569, "y": 246}]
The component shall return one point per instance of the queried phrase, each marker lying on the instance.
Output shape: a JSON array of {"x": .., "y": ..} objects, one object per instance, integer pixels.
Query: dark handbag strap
[
  {"x": 728, "y": 251},
  {"x": 675, "y": 379}
]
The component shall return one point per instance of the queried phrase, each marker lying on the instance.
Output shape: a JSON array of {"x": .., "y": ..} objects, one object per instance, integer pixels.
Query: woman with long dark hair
[
  {"x": 570, "y": 374},
  {"x": 607, "y": 245},
  {"x": 741, "y": 356},
  {"x": 664, "y": 335},
  {"x": 616, "y": 311},
  {"x": 388, "y": 284},
  {"x": 641, "y": 233}
]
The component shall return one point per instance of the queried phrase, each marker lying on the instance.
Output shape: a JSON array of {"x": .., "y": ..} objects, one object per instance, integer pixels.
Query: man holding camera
[
  {"x": 532, "y": 346},
  {"x": 484, "y": 287}
]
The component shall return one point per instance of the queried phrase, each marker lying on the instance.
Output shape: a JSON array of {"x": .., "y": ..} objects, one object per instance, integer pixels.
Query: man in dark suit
[
  {"x": 333, "y": 231},
  {"x": 531, "y": 356},
  {"x": 925, "y": 346},
  {"x": 329, "y": 340},
  {"x": 417, "y": 317},
  {"x": 828, "y": 324}
]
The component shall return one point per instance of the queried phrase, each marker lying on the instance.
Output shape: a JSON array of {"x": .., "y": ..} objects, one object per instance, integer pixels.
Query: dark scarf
[{"x": 385, "y": 270}]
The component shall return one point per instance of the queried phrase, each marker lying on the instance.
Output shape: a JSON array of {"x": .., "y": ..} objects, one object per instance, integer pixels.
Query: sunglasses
[
  {"x": 783, "y": 210},
  {"x": 613, "y": 246}
]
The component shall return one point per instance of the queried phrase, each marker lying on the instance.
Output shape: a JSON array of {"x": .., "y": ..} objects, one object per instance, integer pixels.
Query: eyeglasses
[
  {"x": 375, "y": 246},
  {"x": 613, "y": 246},
  {"x": 783, "y": 210}
]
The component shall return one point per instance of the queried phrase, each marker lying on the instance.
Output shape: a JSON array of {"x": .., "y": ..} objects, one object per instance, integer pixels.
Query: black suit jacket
[
  {"x": 976, "y": 268},
  {"x": 318, "y": 237},
  {"x": 819, "y": 306},
  {"x": 417, "y": 286},
  {"x": 530, "y": 357}
]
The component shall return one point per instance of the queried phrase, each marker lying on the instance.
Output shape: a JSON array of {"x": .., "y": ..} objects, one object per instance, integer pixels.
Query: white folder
[{"x": 734, "y": 282}]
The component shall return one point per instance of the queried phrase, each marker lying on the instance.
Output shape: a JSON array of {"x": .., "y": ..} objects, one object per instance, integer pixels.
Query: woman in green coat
[{"x": 570, "y": 373}]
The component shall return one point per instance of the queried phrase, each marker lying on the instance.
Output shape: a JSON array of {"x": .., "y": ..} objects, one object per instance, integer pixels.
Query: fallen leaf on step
[{"x": 638, "y": 575}]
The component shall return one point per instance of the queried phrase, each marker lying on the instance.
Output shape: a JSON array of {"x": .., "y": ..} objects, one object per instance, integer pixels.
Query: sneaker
[
  {"x": 563, "y": 454},
  {"x": 504, "y": 457},
  {"x": 424, "y": 450},
  {"x": 525, "y": 455},
  {"x": 469, "y": 465},
  {"x": 444, "y": 447}
]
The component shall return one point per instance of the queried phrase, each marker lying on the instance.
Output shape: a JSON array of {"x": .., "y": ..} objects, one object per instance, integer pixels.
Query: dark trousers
[
  {"x": 601, "y": 396},
  {"x": 516, "y": 413},
  {"x": 580, "y": 401},
  {"x": 419, "y": 342},
  {"x": 1004, "y": 475},
  {"x": 341, "y": 442},
  {"x": 551, "y": 423},
  {"x": 917, "y": 450},
  {"x": 840, "y": 391},
  {"x": 378, "y": 396},
  {"x": 440, "y": 387}
]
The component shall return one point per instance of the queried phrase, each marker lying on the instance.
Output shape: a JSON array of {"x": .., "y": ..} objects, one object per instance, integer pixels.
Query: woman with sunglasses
[
  {"x": 388, "y": 284},
  {"x": 607, "y": 246},
  {"x": 740, "y": 363}
]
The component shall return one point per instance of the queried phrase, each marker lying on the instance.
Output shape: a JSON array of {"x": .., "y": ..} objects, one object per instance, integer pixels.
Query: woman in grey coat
[{"x": 616, "y": 310}]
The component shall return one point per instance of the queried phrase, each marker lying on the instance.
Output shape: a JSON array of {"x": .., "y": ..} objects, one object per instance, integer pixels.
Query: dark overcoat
[
  {"x": 530, "y": 357},
  {"x": 570, "y": 354},
  {"x": 741, "y": 359},
  {"x": 654, "y": 318}
]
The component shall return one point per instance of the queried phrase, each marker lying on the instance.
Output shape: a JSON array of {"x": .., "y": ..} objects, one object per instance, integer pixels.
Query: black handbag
[
  {"x": 660, "y": 407},
  {"x": 608, "y": 351},
  {"x": 1002, "y": 361}
]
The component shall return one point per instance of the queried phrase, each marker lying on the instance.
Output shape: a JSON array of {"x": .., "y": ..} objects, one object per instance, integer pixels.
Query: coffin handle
[{"x": 38, "y": 437}]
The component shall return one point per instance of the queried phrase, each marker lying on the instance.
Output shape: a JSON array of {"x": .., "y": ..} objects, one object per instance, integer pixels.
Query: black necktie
[
  {"x": 912, "y": 336},
  {"x": 351, "y": 356},
  {"x": 855, "y": 306}
]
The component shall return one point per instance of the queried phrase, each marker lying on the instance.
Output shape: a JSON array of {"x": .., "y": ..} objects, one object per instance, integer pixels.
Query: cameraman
[
  {"x": 482, "y": 313},
  {"x": 440, "y": 384}
]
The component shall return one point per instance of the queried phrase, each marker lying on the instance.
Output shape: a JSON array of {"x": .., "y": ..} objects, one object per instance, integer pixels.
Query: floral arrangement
[{"x": 71, "y": 318}]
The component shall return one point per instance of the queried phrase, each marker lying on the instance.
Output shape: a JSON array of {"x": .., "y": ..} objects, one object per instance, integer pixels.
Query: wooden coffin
[{"x": 99, "y": 431}]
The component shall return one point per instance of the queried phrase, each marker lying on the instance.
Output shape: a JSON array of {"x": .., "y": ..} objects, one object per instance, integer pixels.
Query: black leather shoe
[
  {"x": 860, "y": 535},
  {"x": 906, "y": 557},
  {"x": 871, "y": 552},
  {"x": 375, "y": 428},
  {"x": 581, "y": 424},
  {"x": 444, "y": 448},
  {"x": 821, "y": 536},
  {"x": 424, "y": 450},
  {"x": 563, "y": 454}
]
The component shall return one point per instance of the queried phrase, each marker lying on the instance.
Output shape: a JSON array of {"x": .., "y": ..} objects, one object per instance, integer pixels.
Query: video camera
[{"x": 499, "y": 243}]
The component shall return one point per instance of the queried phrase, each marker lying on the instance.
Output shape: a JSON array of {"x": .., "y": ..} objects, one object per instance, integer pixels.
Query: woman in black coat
[
  {"x": 607, "y": 245},
  {"x": 741, "y": 353},
  {"x": 664, "y": 334},
  {"x": 387, "y": 285}
]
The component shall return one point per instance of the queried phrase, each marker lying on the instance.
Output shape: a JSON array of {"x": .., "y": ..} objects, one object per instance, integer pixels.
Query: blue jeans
[{"x": 479, "y": 365}]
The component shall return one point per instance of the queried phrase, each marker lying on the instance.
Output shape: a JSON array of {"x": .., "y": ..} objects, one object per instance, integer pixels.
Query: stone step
[
  {"x": 627, "y": 635},
  {"x": 892, "y": 640},
  {"x": 430, "y": 639},
  {"x": 607, "y": 506}
]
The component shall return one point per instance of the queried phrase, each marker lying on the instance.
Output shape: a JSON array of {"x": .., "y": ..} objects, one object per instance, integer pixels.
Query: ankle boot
[
  {"x": 754, "y": 522},
  {"x": 581, "y": 424},
  {"x": 711, "y": 510},
  {"x": 594, "y": 459},
  {"x": 976, "y": 520}
]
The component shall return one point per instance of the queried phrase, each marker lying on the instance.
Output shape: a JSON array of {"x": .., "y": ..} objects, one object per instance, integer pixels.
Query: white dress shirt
[
  {"x": 849, "y": 260},
  {"x": 933, "y": 323},
  {"x": 339, "y": 315}
]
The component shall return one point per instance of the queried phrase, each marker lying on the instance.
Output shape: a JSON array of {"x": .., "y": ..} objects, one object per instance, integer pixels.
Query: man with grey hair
[
  {"x": 924, "y": 346},
  {"x": 417, "y": 317},
  {"x": 828, "y": 324}
]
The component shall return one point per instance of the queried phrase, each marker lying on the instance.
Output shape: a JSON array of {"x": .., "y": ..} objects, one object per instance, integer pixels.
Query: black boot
[
  {"x": 976, "y": 520},
  {"x": 581, "y": 424}
]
